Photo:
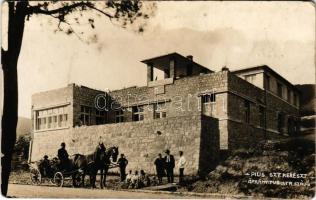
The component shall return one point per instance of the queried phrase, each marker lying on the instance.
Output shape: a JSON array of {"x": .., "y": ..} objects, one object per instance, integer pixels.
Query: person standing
[
  {"x": 63, "y": 157},
  {"x": 169, "y": 165},
  {"x": 45, "y": 167},
  {"x": 122, "y": 162},
  {"x": 181, "y": 165},
  {"x": 159, "y": 162}
]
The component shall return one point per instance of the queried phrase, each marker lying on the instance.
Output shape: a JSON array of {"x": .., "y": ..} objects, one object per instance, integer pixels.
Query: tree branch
[
  {"x": 37, "y": 9},
  {"x": 104, "y": 13}
]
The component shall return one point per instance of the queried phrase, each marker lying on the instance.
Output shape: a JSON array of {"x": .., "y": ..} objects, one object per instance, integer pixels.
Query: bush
[{"x": 22, "y": 146}]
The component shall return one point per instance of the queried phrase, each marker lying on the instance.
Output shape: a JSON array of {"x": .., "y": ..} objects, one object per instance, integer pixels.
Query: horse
[
  {"x": 105, "y": 164},
  {"x": 92, "y": 163}
]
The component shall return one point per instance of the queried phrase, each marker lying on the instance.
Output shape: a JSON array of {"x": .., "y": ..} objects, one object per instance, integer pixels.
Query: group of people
[
  {"x": 137, "y": 180},
  {"x": 166, "y": 166},
  {"x": 63, "y": 161}
]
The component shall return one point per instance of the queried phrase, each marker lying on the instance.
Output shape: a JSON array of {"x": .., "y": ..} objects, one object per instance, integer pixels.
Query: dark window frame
[
  {"x": 119, "y": 116},
  {"x": 262, "y": 120},
  {"x": 138, "y": 113},
  {"x": 247, "y": 111},
  {"x": 208, "y": 98}
]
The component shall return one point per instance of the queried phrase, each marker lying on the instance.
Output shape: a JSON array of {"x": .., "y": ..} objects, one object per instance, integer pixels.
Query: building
[{"x": 184, "y": 106}]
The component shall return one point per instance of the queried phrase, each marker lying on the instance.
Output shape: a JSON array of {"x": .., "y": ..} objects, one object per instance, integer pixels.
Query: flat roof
[
  {"x": 175, "y": 55},
  {"x": 266, "y": 68}
]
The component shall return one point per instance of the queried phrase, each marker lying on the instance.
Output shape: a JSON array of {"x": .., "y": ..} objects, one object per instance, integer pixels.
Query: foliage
[{"x": 22, "y": 146}]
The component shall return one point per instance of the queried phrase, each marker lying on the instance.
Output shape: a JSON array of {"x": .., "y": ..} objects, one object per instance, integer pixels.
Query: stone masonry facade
[{"x": 192, "y": 108}]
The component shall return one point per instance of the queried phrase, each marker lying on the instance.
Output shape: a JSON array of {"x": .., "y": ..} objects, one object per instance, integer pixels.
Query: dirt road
[{"x": 26, "y": 191}]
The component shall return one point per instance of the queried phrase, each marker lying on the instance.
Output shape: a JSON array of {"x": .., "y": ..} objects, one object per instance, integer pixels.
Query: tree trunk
[
  {"x": 9, "y": 122},
  {"x": 16, "y": 11}
]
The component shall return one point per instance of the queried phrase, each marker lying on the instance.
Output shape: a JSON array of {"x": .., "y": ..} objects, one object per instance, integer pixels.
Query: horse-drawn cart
[{"x": 53, "y": 176}]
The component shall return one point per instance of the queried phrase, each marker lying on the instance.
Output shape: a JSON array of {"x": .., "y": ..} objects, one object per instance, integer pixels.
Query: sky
[{"x": 233, "y": 34}]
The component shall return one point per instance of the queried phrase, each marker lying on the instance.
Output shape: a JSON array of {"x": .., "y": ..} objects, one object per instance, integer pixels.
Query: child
[{"x": 129, "y": 177}]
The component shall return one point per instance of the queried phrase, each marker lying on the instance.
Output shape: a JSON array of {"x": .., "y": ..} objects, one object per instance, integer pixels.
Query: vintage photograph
[{"x": 158, "y": 99}]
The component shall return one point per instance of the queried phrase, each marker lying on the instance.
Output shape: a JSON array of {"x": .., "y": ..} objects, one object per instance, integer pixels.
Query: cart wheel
[
  {"x": 59, "y": 179},
  {"x": 36, "y": 177},
  {"x": 76, "y": 178}
]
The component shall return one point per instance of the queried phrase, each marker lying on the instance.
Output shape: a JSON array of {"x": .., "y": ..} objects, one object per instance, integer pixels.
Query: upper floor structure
[{"x": 267, "y": 79}]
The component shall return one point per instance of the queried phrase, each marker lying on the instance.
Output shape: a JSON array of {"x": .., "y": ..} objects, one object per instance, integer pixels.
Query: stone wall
[
  {"x": 183, "y": 95},
  {"x": 139, "y": 141}
]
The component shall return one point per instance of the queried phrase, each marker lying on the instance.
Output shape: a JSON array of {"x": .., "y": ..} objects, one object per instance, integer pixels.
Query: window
[
  {"x": 51, "y": 118},
  {"x": 267, "y": 82},
  {"x": 138, "y": 113},
  {"x": 41, "y": 124},
  {"x": 54, "y": 123},
  {"x": 49, "y": 122},
  {"x": 289, "y": 95},
  {"x": 62, "y": 120},
  {"x": 100, "y": 117},
  {"x": 280, "y": 90},
  {"x": 160, "y": 110},
  {"x": 85, "y": 116},
  {"x": 250, "y": 78},
  {"x": 208, "y": 98},
  {"x": 261, "y": 116},
  {"x": 208, "y": 104},
  {"x": 247, "y": 111},
  {"x": 119, "y": 116}
]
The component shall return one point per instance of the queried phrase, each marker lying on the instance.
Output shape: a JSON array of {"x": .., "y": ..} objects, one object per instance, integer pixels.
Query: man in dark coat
[
  {"x": 45, "y": 166},
  {"x": 169, "y": 165},
  {"x": 159, "y": 162},
  {"x": 122, "y": 162},
  {"x": 63, "y": 157}
]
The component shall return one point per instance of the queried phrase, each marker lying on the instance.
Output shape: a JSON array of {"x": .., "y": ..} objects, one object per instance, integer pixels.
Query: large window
[
  {"x": 247, "y": 111},
  {"x": 138, "y": 113},
  {"x": 160, "y": 110},
  {"x": 119, "y": 116},
  {"x": 85, "y": 115},
  {"x": 51, "y": 118}
]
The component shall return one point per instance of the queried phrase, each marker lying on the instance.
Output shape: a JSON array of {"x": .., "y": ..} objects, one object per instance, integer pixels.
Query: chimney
[
  {"x": 190, "y": 57},
  {"x": 225, "y": 68}
]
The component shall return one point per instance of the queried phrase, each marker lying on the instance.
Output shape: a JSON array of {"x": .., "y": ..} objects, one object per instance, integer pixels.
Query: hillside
[
  {"x": 24, "y": 126},
  {"x": 307, "y": 99},
  {"x": 241, "y": 173}
]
